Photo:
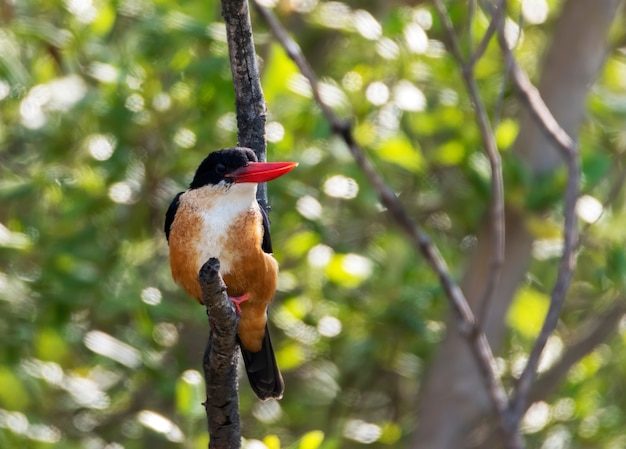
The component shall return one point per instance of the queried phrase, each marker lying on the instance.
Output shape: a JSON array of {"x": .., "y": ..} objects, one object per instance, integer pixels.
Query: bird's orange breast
[{"x": 185, "y": 253}]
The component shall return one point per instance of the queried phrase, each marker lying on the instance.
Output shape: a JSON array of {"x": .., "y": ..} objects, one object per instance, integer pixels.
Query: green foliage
[
  {"x": 528, "y": 312},
  {"x": 108, "y": 106}
]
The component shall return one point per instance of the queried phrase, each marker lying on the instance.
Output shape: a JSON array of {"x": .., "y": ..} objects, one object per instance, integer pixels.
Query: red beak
[{"x": 261, "y": 171}]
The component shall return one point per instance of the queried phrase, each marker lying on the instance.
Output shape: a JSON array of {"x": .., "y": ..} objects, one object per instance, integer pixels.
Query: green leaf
[
  {"x": 545, "y": 190},
  {"x": 190, "y": 394},
  {"x": 391, "y": 433},
  {"x": 278, "y": 69},
  {"x": 595, "y": 167},
  {"x": 506, "y": 133},
  {"x": 616, "y": 264},
  {"x": 290, "y": 356},
  {"x": 50, "y": 345},
  {"x": 13, "y": 396},
  {"x": 400, "y": 151},
  {"x": 348, "y": 270},
  {"x": 312, "y": 440},
  {"x": 615, "y": 73},
  {"x": 450, "y": 153},
  {"x": 528, "y": 311},
  {"x": 104, "y": 20},
  {"x": 300, "y": 243},
  {"x": 272, "y": 442}
]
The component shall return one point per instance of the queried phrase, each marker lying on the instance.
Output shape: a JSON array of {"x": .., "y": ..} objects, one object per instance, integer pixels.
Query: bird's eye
[{"x": 220, "y": 169}]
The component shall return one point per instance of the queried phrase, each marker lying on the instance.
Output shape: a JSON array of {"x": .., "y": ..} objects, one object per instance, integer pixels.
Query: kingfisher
[{"x": 219, "y": 216}]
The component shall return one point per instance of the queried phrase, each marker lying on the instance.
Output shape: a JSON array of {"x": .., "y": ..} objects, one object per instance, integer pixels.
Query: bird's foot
[{"x": 237, "y": 300}]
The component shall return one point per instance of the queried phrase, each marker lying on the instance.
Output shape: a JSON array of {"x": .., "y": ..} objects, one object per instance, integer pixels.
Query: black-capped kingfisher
[{"x": 219, "y": 216}]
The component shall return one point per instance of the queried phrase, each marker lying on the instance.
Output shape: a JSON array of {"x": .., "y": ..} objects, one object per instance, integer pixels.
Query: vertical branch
[
  {"x": 250, "y": 102},
  {"x": 221, "y": 354},
  {"x": 491, "y": 150},
  {"x": 565, "y": 274},
  {"x": 220, "y": 361},
  {"x": 568, "y": 149}
]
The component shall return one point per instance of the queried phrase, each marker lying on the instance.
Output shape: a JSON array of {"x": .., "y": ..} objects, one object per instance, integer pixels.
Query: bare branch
[
  {"x": 220, "y": 361},
  {"x": 530, "y": 95},
  {"x": 597, "y": 332},
  {"x": 491, "y": 149},
  {"x": 567, "y": 266},
  {"x": 467, "y": 323},
  {"x": 484, "y": 42},
  {"x": 221, "y": 354},
  {"x": 569, "y": 151},
  {"x": 294, "y": 51},
  {"x": 250, "y": 102}
]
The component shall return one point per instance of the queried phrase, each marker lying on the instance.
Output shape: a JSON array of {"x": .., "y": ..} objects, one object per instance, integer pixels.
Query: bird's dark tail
[{"x": 263, "y": 374}]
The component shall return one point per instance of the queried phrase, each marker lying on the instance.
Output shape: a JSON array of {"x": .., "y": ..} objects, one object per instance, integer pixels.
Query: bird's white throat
[{"x": 220, "y": 205}]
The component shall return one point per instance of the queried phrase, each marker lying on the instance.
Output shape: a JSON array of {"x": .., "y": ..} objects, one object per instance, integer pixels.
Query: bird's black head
[{"x": 217, "y": 165}]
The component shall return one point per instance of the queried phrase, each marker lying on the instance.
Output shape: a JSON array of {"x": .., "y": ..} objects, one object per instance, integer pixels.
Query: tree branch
[
  {"x": 597, "y": 331},
  {"x": 220, "y": 360},
  {"x": 530, "y": 96},
  {"x": 565, "y": 274},
  {"x": 491, "y": 149},
  {"x": 467, "y": 323},
  {"x": 221, "y": 354},
  {"x": 250, "y": 102}
]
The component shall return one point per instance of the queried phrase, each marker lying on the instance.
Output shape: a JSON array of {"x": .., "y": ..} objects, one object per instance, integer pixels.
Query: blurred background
[{"x": 108, "y": 106}]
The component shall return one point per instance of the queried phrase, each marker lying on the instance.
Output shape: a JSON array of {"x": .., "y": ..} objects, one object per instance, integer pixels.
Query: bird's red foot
[{"x": 237, "y": 300}]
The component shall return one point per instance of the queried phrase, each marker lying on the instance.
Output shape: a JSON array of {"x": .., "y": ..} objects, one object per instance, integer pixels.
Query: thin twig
[
  {"x": 467, "y": 323},
  {"x": 531, "y": 97},
  {"x": 491, "y": 149},
  {"x": 295, "y": 53},
  {"x": 471, "y": 11},
  {"x": 590, "y": 335},
  {"x": 497, "y": 109},
  {"x": 498, "y": 16},
  {"x": 565, "y": 274},
  {"x": 484, "y": 42}
]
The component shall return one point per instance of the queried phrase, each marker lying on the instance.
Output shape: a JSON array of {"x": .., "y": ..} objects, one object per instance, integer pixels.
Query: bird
[{"x": 219, "y": 216}]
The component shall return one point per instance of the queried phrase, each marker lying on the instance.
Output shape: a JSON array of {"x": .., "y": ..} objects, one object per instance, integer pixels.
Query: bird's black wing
[
  {"x": 170, "y": 214},
  {"x": 263, "y": 373},
  {"x": 267, "y": 240}
]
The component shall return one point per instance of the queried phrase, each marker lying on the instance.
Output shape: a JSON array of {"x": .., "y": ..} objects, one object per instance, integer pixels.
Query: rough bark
[
  {"x": 453, "y": 398},
  {"x": 220, "y": 361},
  {"x": 221, "y": 354},
  {"x": 250, "y": 102}
]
